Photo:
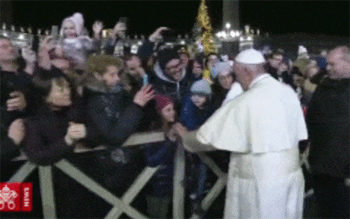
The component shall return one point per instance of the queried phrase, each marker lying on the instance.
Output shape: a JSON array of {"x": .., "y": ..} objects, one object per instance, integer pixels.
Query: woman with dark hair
[
  {"x": 53, "y": 131},
  {"x": 225, "y": 86}
]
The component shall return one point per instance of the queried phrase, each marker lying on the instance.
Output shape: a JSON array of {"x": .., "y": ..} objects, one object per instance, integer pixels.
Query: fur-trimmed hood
[
  {"x": 93, "y": 84},
  {"x": 163, "y": 76}
]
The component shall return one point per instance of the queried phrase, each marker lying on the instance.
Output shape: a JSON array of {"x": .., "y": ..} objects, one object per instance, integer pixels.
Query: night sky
[{"x": 275, "y": 17}]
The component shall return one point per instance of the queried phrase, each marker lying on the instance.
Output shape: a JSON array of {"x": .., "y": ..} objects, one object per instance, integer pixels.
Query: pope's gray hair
[{"x": 258, "y": 68}]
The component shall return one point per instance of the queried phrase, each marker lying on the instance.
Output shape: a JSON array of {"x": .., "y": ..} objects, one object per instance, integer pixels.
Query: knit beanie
[
  {"x": 78, "y": 20},
  {"x": 165, "y": 55},
  {"x": 221, "y": 68},
  {"x": 201, "y": 86},
  {"x": 162, "y": 102}
]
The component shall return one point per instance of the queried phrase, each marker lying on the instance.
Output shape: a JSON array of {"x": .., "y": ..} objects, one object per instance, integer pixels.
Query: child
[
  {"x": 159, "y": 190},
  {"x": 197, "y": 108},
  {"x": 75, "y": 44}
]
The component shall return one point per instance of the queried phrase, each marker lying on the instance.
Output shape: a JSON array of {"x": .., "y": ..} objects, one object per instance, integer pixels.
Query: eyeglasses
[{"x": 175, "y": 67}]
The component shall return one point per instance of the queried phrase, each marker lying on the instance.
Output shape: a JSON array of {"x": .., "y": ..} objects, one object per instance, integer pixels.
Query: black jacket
[
  {"x": 165, "y": 85},
  {"x": 10, "y": 82},
  {"x": 328, "y": 119},
  {"x": 113, "y": 113}
]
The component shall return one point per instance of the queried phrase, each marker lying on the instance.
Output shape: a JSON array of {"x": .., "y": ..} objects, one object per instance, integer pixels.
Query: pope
[{"x": 261, "y": 128}]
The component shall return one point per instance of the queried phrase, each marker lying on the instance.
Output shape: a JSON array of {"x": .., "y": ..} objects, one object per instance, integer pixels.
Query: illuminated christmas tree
[{"x": 203, "y": 21}]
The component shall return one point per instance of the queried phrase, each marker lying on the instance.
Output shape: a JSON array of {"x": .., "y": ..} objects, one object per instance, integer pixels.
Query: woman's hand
[
  {"x": 17, "y": 131},
  {"x": 144, "y": 95},
  {"x": 75, "y": 132},
  {"x": 180, "y": 129},
  {"x": 17, "y": 101}
]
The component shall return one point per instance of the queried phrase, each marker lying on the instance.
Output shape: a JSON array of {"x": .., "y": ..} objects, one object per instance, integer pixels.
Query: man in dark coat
[
  {"x": 169, "y": 78},
  {"x": 14, "y": 99},
  {"x": 328, "y": 121},
  {"x": 272, "y": 65}
]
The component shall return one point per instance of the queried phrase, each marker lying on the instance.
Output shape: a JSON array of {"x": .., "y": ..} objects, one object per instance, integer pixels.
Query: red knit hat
[{"x": 162, "y": 102}]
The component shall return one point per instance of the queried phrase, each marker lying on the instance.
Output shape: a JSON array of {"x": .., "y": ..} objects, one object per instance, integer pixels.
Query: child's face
[
  {"x": 197, "y": 69},
  {"x": 111, "y": 76},
  {"x": 198, "y": 100},
  {"x": 59, "y": 95},
  {"x": 69, "y": 30},
  {"x": 168, "y": 113}
]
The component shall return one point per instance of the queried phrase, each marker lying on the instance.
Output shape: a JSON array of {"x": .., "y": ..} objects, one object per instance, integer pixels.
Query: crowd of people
[{"x": 254, "y": 114}]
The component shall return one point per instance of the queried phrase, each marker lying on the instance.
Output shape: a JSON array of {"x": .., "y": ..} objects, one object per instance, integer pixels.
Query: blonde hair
[{"x": 99, "y": 63}]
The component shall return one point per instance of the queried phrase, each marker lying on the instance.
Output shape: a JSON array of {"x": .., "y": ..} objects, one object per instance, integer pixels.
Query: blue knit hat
[
  {"x": 201, "y": 87},
  {"x": 220, "y": 67}
]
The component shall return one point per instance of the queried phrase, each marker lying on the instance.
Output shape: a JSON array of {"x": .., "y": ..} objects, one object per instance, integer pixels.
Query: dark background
[{"x": 274, "y": 17}]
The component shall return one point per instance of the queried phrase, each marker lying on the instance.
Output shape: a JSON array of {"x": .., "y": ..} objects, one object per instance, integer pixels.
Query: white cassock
[
  {"x": 236, "y": 89},
  {"x": 262, "y": 128}
]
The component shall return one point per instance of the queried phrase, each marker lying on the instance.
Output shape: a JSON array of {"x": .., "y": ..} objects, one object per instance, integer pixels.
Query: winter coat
[
  {"x": 163, "y": 154},
  {"x": 44, "y": 142},
  {"x": 165, "y": 85},
  {"x": 271, "y": 70},
  {"x": 328, "y": 122},
  {"x": 113, "y": 112},
  {"x": 78, "y": 49},
  {"x": 10, "y": 82},
  {"x": 191, "y": 116}
]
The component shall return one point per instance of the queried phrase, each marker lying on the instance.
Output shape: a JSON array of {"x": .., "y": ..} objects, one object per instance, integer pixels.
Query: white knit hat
[
  {"x": 78, "y": 20},
  {"x": 201, "y": 86},
  {"x": 250, "y": 56},
  {"x": 301, "y": 50},
  {"x": 221, "y": 68}
]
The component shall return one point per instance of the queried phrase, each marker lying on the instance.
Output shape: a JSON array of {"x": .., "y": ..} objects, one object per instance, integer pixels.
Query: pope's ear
[{"x": 248, "y": 75}]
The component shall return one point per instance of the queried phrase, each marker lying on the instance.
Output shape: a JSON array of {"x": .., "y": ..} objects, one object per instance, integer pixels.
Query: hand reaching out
[
  {"x": 44, "y": 48},
  {"x": 157, "y": 35},
  {"x": 180, "y": 129},
  {"x": 144, "y": 95},
  {"x": 17, "y": 101},
  {"x": 119, "y": 30},
  {"x": 28, "y": 55}
]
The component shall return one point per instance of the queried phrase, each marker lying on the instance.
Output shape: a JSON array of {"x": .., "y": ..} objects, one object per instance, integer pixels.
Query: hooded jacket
[{"x": 165, "y": 85}]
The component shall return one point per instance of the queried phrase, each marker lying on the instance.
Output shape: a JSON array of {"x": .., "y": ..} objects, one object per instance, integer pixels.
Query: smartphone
[
  {"x": 145, "y": 80},
  {"x": 54, "y": 30},
  {"x": 35, "y": 43}
]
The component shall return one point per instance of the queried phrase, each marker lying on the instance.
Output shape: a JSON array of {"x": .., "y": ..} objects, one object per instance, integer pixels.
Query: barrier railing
[{"x": 122, "y": 205}]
